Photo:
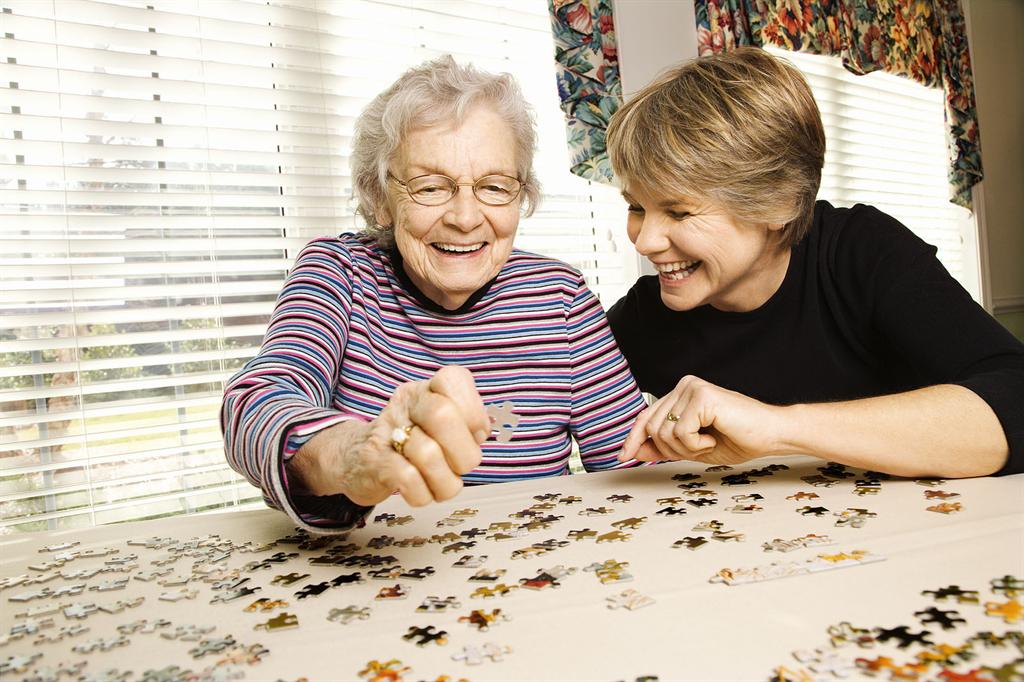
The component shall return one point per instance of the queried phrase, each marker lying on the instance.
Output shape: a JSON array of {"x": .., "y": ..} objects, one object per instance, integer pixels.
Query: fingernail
[{"x": 482, "y": 435}]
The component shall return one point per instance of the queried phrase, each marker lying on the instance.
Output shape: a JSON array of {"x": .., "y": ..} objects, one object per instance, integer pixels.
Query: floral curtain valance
[
  {"x": 921, "y": 39},
  {"x": 588, "y": 80}
]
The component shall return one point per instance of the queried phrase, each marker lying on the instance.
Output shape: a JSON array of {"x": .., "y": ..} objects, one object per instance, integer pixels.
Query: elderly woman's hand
[
  {"x": 444, "y": 422},
  {"x": 703, "y": 422}
]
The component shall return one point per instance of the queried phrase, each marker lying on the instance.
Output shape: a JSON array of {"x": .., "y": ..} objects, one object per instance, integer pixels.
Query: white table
[{"x": 695, "y": 630}]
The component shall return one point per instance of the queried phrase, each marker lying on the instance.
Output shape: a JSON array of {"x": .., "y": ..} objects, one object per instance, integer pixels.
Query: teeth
[
  {"x": 456, "y": 248},
  {"x": 678, "y": 265}
]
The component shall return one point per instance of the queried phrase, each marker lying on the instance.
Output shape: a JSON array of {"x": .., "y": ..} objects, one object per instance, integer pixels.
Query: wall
[
  {"x": 652, "y": 35},
  {"x": 997, "y": 55}
]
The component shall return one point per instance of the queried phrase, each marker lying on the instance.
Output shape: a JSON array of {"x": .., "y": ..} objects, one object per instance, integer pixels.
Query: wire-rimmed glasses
[{"x": 436, "y": 189}]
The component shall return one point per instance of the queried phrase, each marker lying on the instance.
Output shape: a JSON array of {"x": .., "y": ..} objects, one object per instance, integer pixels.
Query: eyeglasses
[{"x": 434, "y": 190}]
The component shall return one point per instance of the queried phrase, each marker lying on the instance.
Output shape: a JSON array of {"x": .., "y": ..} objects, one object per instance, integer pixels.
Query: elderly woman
[
  {"x": 386, "y": 346},
  {"x": 777, "y": 324}
]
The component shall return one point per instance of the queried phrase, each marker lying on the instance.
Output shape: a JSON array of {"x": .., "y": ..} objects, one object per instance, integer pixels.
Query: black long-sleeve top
[{"x": 865, "y": 309}]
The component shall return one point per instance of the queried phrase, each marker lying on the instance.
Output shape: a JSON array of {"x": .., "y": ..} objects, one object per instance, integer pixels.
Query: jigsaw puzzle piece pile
[{"x": 942, "y": 648}]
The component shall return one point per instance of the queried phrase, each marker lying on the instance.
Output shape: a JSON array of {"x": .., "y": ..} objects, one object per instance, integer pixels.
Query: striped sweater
[{"x": 350, "y": 327}]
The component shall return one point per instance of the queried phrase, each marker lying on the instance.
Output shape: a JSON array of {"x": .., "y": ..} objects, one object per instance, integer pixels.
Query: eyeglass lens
[{"x": 433, "y": 190}]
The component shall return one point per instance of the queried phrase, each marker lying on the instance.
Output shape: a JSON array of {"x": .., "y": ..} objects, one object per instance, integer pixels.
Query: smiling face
[
  {"x": 703, "y": 255},
  {"x": 452, "y": 250}
]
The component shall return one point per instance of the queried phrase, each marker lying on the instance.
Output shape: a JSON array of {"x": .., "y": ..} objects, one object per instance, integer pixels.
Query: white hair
[{"x": 435, "y": 91}]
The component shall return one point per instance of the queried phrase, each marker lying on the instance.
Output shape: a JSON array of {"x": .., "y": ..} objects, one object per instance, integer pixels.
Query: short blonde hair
[
  {"x": 437, "y": 91},
  {"x": 739, "y": 128}
]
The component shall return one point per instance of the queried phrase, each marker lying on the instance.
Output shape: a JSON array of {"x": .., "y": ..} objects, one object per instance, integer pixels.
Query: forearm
[
  {"x": 317, "y": 468},
  {"x": 945, "y": 431}
]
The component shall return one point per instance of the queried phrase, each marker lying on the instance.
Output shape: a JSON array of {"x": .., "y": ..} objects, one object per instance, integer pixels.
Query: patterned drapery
[
  {"x": 924, "y": 40},
  {"x": 588, "y": 80}
]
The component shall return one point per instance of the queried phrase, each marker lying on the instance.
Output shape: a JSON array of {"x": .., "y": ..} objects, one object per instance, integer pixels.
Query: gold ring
[
  {"x": 399, "y": 436},
  {"x": 671, "y": 417}
]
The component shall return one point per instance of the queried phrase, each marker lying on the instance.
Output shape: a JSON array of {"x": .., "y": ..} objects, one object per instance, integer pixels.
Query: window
[
  {"x": 162, "y": 163},
  {"x": 886, "y": 147}
]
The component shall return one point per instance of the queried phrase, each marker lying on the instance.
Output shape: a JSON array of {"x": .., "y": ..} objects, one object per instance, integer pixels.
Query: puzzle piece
[
  {"x": 212, "y": 646},
  {"x": 622, "y": 497},
  {"x": 903, "y": 634},
  {"x": 178, "y": 595},
  {"x": 709, "y": 526},
  {"x": 583, "y": 534},
  {"x": 482, "y": 620},
  {"x": 394, "y": 592},
  {"x": 435, "y": 604},
  {"x": 347, "y": 579},
  {"x": 809, "y": 540},
  {"x": 504, "y": 420},
  {"x": 475, "y": 655},
  {"x": 426, "y": 635},
  {"x": 629, "y": 599},
  {"x": 671, "y": 511},
  {"x": 595, "y": 511},
  {"x": 610, "y": 571},
  {"x": 415, "y": 541},
  {"x": 945, "y": 619},
  {"x": 812, "y": 511},
  {"x": 144, "y": 626},
  {"x": 460, "y": 546},
  {"x": 866, "y": 487},
  {"x": 265, "y": 604},
  {"x": 1009, "y": 585},
  {"x": 614, "y": 536},
  {"x": 348, "y": 614},
  {"x": 386, "y": 573},
  {"x": 484, "y": 575},
  {"x": 962, "y": 596},
  {"x": 488, "y": 592},
  {"x": 939, "y": 495},
  {"x": 844, "y": 633},
  {"x": 18, "y": 664},
  {"x": 539, "y": 582},
  {"x": 470, "y": 561},
  {"x": 188, "y": 633},
  {"x": 1010, "y": 611},
  {"x": 282, "y": 621},
  {"x": 100, "y": 644},
  {"x": 946, "y": 508},
  {"x": 944, "y": 654},
  {"x": 391, "y": 671},
  {"x": 826, "y": 662},
  {"x": 313, "y": 590},
  {"x": 630, "y": 523},
  {"x": 690, "y": 542},
  {"x": 232, "y": 595},
  {"x": 819, "y": 481},
  {"x": 288, "y": 578},
  {"x": 380, "y": 542}
]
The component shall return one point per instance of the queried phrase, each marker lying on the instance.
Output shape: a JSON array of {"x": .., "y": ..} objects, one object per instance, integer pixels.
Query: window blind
[
  {"x": 886, "y": 147},
  {"x": 162, "y": 162}
]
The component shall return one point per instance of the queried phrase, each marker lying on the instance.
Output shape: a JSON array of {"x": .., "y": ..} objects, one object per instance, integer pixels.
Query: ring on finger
[
  {"x": 399, "y": 437},
  {"x": 672, "y": 417}
]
